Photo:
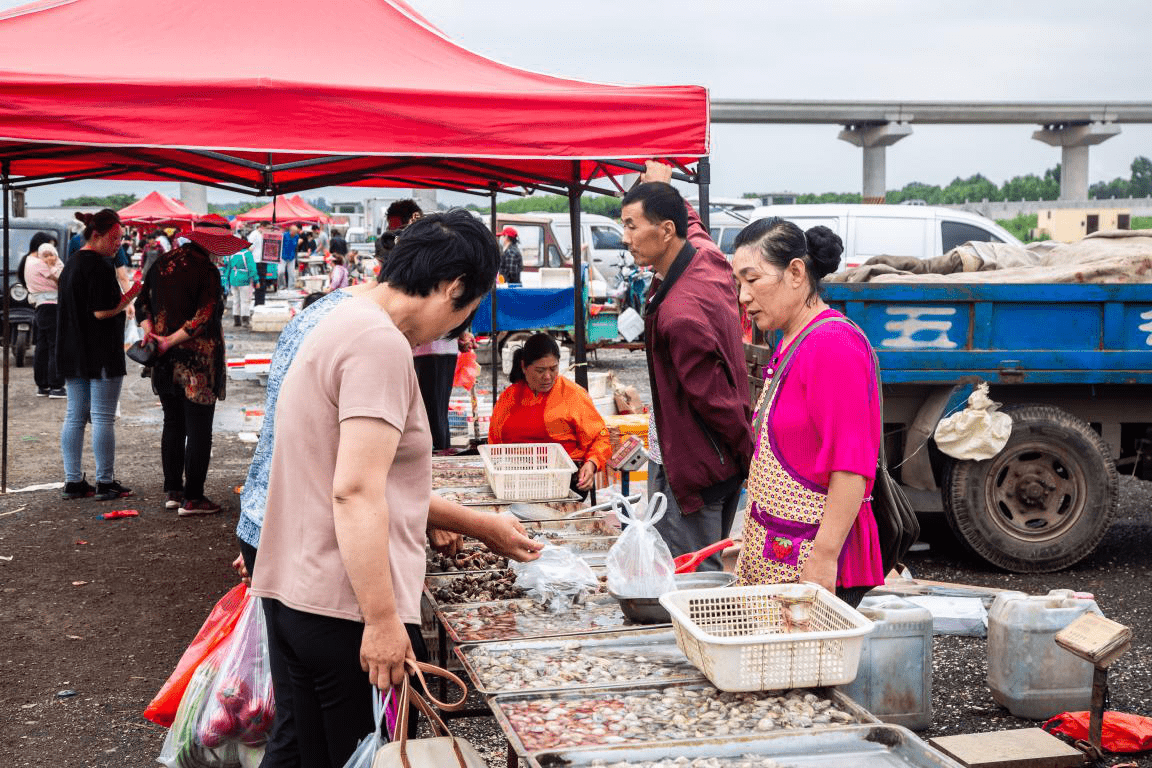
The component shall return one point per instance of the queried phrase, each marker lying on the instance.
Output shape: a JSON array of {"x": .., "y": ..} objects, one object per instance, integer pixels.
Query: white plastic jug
[
  {"x": 894, "y": 679},
  {"x": 1027, "y": 672}
]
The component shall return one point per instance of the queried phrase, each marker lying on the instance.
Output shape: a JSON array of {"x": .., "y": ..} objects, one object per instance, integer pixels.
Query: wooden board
[{"x": 1025, "y": 748}]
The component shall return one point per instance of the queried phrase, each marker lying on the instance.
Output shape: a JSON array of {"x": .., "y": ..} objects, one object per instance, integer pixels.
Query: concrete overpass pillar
[
  {"x": 194, "y": 197},
  {"x": 875, "y": 140},
  {"x": 1074, "y": 141}
]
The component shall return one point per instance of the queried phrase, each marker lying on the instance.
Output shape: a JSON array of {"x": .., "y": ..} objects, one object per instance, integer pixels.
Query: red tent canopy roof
[
  {"x": 304, "y": 205},
  {"x": 283, "y": 210},
  {"x": 210, "y": 92},
  {"x": 154, "y": 208}
]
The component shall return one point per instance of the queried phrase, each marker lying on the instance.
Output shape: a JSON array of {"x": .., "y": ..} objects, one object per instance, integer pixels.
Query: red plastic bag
[
  {"x": 467, "y": 369},
  {"x": 218, "y": 625},
  {"x": 1122, "y": 732}
]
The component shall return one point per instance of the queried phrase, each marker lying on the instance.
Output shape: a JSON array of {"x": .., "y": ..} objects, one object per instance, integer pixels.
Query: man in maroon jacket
[{"x": 703, "y": 432}]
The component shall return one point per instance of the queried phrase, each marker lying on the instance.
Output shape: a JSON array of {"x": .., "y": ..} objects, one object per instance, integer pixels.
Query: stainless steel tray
[
  {"x": 657, "y": 645},
  {"x": 520, "y": 620},
  {"x": 859, "y": 746},
  {"x": 482, "y": 495},
  {"x": 590, "y": 699}
]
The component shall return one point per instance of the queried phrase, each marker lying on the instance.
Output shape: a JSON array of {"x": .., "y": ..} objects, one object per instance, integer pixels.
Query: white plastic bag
[
  {"x": 558, "y": 579},
  {"x": 239, "y": 706},
  {"x": 366, "y": 750},
  {"x": 978, "y": 432},
  {"x": 639, "y": 563},
  {"x": 181, "y": 748}
]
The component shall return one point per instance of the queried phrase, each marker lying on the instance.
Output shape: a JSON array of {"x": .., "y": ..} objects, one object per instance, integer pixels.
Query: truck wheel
[{"x": 1041, "y": 504}]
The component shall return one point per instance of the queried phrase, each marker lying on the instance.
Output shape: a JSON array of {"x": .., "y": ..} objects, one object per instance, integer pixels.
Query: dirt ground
[{"x": 95, "y": 614}]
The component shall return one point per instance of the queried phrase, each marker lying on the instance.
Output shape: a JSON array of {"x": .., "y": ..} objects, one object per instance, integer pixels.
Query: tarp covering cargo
[{"x": 1115, "y": 256}]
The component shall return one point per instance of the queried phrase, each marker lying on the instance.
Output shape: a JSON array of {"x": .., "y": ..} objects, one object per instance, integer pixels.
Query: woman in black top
[
  {"x": 180, "y": 307},
  {"x": 90, "y": 355}
]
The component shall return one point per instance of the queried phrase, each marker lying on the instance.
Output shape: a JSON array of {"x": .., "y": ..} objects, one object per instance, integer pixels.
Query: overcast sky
[{"x": 1021, "y": 50}]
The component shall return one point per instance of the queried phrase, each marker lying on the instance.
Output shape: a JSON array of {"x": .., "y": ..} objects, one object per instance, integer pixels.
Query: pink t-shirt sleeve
[
  {"x": 827, "y": 415},
  {"x": 374, "y": 384}
]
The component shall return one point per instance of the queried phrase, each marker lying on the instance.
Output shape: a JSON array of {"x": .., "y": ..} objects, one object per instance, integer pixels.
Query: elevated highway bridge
[{"x": 876, "y": 125}]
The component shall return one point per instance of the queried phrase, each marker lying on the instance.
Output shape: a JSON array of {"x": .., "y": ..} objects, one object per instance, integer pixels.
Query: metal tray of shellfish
[
  {"x": 475, "y": 557},
  {"x": 861, "y": 746},
  {"x": 602, "y": 660},
  {"x": 667, "y": 713},
  {"x": 524, "y": 619},
  {"x": 485, "y": 586},
  {"x": 480, "y": 495}
]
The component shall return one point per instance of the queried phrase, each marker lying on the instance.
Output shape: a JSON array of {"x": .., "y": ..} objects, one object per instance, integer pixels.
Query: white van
[
  {"x": 922, "y": 231},
  {"x": 602, "y": 239}
]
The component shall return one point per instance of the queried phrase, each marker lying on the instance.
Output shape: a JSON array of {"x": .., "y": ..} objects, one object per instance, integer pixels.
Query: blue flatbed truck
[{"x": 1072, "y": 364}]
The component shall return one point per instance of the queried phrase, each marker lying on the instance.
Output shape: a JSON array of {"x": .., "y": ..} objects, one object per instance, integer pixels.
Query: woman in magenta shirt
[{"x": 809, "y": 516}]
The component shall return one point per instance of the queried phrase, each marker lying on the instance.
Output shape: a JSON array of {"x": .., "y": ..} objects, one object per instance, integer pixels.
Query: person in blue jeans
[{"x": 90, "y": 355}]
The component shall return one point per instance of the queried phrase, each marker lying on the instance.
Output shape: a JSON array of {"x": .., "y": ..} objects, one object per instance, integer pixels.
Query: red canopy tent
[
  {"x": 231, "y": 104},
  {"x": 282, "y": 210},
  {"x": 303, "y": 204},
  {"x": 192, "y": 101},
  {"x": 155, "y": 208}
]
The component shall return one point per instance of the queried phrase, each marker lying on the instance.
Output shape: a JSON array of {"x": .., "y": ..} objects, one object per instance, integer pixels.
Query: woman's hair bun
[{"x": 824, "y": 248}]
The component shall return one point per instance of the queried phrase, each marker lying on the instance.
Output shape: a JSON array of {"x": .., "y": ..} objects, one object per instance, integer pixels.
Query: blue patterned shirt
[{"x": 255, "y": 495}]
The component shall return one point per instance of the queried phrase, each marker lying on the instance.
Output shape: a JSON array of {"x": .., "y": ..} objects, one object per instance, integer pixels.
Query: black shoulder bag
[{"x": 896, "y": 525}]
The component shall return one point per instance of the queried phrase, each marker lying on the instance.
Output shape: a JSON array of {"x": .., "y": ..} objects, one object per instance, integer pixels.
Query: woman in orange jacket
[{"x": 541, "y": 406}]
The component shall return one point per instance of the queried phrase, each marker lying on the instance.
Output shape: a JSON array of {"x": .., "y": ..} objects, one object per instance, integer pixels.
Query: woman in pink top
[{"x": 809, "y": 516}]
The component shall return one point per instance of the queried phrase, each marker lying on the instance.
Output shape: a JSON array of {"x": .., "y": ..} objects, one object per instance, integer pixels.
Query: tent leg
[
  {"x": 578, "y": 276},
  {"x": 703, "y": 179},
  {"x": 495, "y": 348},
  {"x": 5, "y": 170}
]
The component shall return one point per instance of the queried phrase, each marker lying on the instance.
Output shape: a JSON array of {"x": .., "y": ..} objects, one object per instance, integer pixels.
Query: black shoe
[
  {"x": 236, "y": 320},
  {"x": 112, "y": 490},
  {"x": 78, "y": 490},
  {"x": 58, "y": 393},
  {"x": 42, "y": 392}
]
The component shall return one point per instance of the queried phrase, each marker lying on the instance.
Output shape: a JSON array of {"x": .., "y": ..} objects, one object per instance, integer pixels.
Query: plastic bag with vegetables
[{"x": 240, "y": 706}]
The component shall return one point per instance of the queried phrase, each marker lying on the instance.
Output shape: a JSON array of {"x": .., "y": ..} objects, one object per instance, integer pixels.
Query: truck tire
[{"x": 1044, "y": 502}]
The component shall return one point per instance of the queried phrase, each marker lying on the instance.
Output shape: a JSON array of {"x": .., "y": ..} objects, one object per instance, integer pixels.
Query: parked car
[{"x": 922, "y": 231}]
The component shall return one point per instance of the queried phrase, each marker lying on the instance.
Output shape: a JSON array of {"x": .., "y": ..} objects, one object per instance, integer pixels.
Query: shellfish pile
[
  {"x": 483, "y": 587},
  {"x": 671, "y": 714},
  {"x": 744, "y": 761},
  {"x": 526, "y": 618},
  {"x": 473, "y": 557},
  {"x": 576, "y": 664}
]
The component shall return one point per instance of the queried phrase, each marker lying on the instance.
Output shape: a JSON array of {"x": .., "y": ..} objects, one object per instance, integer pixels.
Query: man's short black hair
[
  {"x": 442, "y": 247},
  {"x": 403, "y": 210},
  {"x": 660, "y": 202}
]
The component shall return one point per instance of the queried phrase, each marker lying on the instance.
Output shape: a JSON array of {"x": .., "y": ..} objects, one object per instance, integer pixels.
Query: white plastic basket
[
  {"x": 740, "y": 637},
  {"x": 527, "y": 471}
]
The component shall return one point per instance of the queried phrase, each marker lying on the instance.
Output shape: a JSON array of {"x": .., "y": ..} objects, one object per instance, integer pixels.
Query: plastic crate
[
  {"x": 740, "y": 637},
  {"x": 527, "y": 471}
]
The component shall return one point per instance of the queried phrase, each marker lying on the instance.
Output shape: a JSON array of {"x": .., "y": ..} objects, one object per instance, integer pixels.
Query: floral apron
[{"x": 781, "y": 520}]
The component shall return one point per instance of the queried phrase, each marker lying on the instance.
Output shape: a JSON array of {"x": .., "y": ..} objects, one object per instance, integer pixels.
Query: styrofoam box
[{"x": 556, "y": 277}]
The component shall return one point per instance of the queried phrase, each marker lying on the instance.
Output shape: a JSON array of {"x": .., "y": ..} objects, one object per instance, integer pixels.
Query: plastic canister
[
  {"x": 1027, "y": 672},
  {"x": 894, "y": 678}
]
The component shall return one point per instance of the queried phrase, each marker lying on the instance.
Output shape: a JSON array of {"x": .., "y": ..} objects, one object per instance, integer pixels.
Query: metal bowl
[{"x": 647, "y": 610}]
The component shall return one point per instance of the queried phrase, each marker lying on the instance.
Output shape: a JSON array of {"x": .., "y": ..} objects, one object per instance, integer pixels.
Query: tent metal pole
[
  {"x": 495, "y": 356},
  {"x": 578, "y": 276},
  {"x": 5, "y": 171},
  {"x": 703, "y": 179}
]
